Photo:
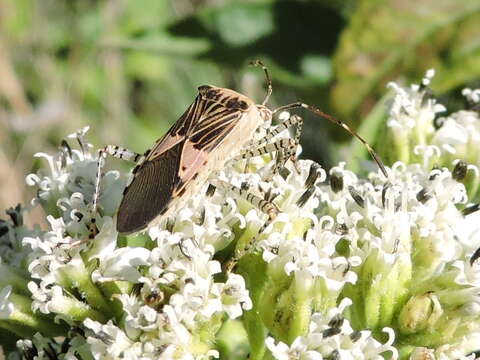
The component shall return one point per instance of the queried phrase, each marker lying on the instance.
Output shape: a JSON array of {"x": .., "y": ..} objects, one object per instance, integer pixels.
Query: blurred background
[{"x": 129, "y": 68}]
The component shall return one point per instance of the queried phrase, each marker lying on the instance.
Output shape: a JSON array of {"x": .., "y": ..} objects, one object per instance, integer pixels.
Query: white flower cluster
[
  {"x": 180, "y": 269},
  {"x": 332, "y": 337},
  {"x": 420, "y": 134},
  {"x": 12, "y": 233},
  {"x": 396, "y": 256},
  {"x": 417, "y": 234},
  {"x": 177, "y": 305},
  {"x": 403, "y": 237},
  {"x": 176, "y": 295},
  {"x": 411, "y": 117}
]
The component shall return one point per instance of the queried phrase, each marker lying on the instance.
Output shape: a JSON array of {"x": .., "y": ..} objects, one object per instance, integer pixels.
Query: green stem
[
  {"x": 370, "y": 290},
  {"x": 301, "y": 315},
  {"x": 111, "y": 288},
  {"x": 244, "y": 240},
  {"x": 78, "y": 279},
  {"x": 269, "y": 303},
  {"x": 20, "y": 330},
  {"x": 76, "y": 310},
  {"x": 254, "y": 270},
  {"x": 23, "y": 318}
]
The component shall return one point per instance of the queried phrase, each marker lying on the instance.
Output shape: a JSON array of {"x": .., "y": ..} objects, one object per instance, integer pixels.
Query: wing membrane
[
  {"x": 175, "y": 160},
  {"x": 214, "y": 131},
  {"x": 179, "y": 130},
  {"x": 150, "y": 191}
]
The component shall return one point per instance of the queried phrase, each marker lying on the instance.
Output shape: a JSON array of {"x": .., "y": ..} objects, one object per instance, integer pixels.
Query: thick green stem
[
  {"x": 75, "y": 309},
  {"x": 302, "y": 300},
  {"x": 23, "y": 320},
  {"x": 77, "y": 278},
  {"x": 254, "y": 270}
]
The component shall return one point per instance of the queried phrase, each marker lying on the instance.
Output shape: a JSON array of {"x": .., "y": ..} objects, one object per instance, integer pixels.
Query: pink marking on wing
[
  {"x": 163, "y": 145},
  {"x": 191, "y": 163}
]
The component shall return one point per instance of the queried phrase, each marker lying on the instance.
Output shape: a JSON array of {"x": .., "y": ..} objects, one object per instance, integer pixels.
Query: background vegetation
[{"x": 129, "y": 68}]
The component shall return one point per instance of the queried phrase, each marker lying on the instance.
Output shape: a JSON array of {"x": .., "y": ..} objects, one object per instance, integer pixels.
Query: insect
[{"x": 213, "y": 130}]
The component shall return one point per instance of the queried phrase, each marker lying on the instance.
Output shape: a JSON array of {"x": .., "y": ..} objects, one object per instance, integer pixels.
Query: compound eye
[{"x": 265, "y": 113}]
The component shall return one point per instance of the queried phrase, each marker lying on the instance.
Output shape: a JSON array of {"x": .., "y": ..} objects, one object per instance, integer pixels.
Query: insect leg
[
  {"x": 279, "y": 145},
  {"x": 294, "y": 120},
  {"x": 289, "y": 153},
  {"x": 115, "y": 151},
  {"x": 265, "y": 206},
  {"x": 285, "y": 148},
  {"x": 319, "y": 112}
]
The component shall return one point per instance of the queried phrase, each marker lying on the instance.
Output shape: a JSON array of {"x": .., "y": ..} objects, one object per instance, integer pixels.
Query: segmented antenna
[
  {"x": 267, "y": 76},
  {"x": 319, "y": 112}
]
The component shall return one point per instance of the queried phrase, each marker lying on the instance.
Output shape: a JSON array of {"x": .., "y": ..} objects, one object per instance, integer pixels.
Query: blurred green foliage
[{"x": 130, "y": 68}]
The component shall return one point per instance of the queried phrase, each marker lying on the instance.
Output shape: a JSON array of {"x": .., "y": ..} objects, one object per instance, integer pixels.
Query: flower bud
[{"x": 419, "y": 313}]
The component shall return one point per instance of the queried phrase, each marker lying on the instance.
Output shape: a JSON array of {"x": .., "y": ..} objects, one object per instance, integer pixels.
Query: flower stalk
[{"x": 17, "y": 317}]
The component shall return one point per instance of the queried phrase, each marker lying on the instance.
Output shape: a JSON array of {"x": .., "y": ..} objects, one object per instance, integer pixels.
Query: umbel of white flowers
[{"x": 352, "y": 268}]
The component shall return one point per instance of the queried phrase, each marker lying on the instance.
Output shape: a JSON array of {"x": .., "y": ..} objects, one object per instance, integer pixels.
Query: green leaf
[
  {"x": 159, "y": 43},
  {"x": 390, "y": 37},
  {"x": 16, "y": 25},
  {"x": 150, "y": 14},
  {"x": 240, "y": 23},
  {"x": 317, "y": 68}
]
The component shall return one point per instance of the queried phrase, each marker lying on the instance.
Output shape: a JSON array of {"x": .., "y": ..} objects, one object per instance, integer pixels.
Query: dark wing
[
  {"x": 174, "y": 161},
  {"x": 150, "y": 191}
]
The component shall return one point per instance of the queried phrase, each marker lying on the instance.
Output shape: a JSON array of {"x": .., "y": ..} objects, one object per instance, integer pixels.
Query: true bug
[{"x": 214, "y": 129}]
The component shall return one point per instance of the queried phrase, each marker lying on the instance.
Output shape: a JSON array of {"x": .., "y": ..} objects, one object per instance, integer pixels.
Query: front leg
[
  {"x": 119, "y": 153},
  {"x": 264, "y": 205}
]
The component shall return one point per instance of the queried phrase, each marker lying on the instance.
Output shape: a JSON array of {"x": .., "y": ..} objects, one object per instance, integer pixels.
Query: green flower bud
[{"x": 419, "y": 313}]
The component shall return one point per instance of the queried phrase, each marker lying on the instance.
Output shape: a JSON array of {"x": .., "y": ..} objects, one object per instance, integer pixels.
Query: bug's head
[{"x": 265, "y": 113}]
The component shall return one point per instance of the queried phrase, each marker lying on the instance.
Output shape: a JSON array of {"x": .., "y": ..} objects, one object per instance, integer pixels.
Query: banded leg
[
  {"x": 265, "y": 206},
  {"x": 319, "y": 112},
  {"x": 279, "y": 145},
  {"x": 297, "y": 121},
  {"x": 117, "y": 152},
  {"x": 294, "y": 120},
  {"x": 285, "y": 148}
]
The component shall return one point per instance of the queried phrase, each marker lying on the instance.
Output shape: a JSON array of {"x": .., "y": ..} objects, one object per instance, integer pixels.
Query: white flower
[
  {"x": 411, "y": 109},
  {"x": 235, "y": 296},
  {"x": 40, "y": 347},
  {"x": 332, "y": 336},
  {"x": 110, "y": 342},
  {"x": 49, "y": 299},
  {"x": 297, "y": 351},
  {"x": 446, "y": 352},
  {"x": 122, "y": 264},
  {"x": 6, "y": 306},
  {"x": 472, "y": 95},
  {"x": 382, "y": 242}
]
